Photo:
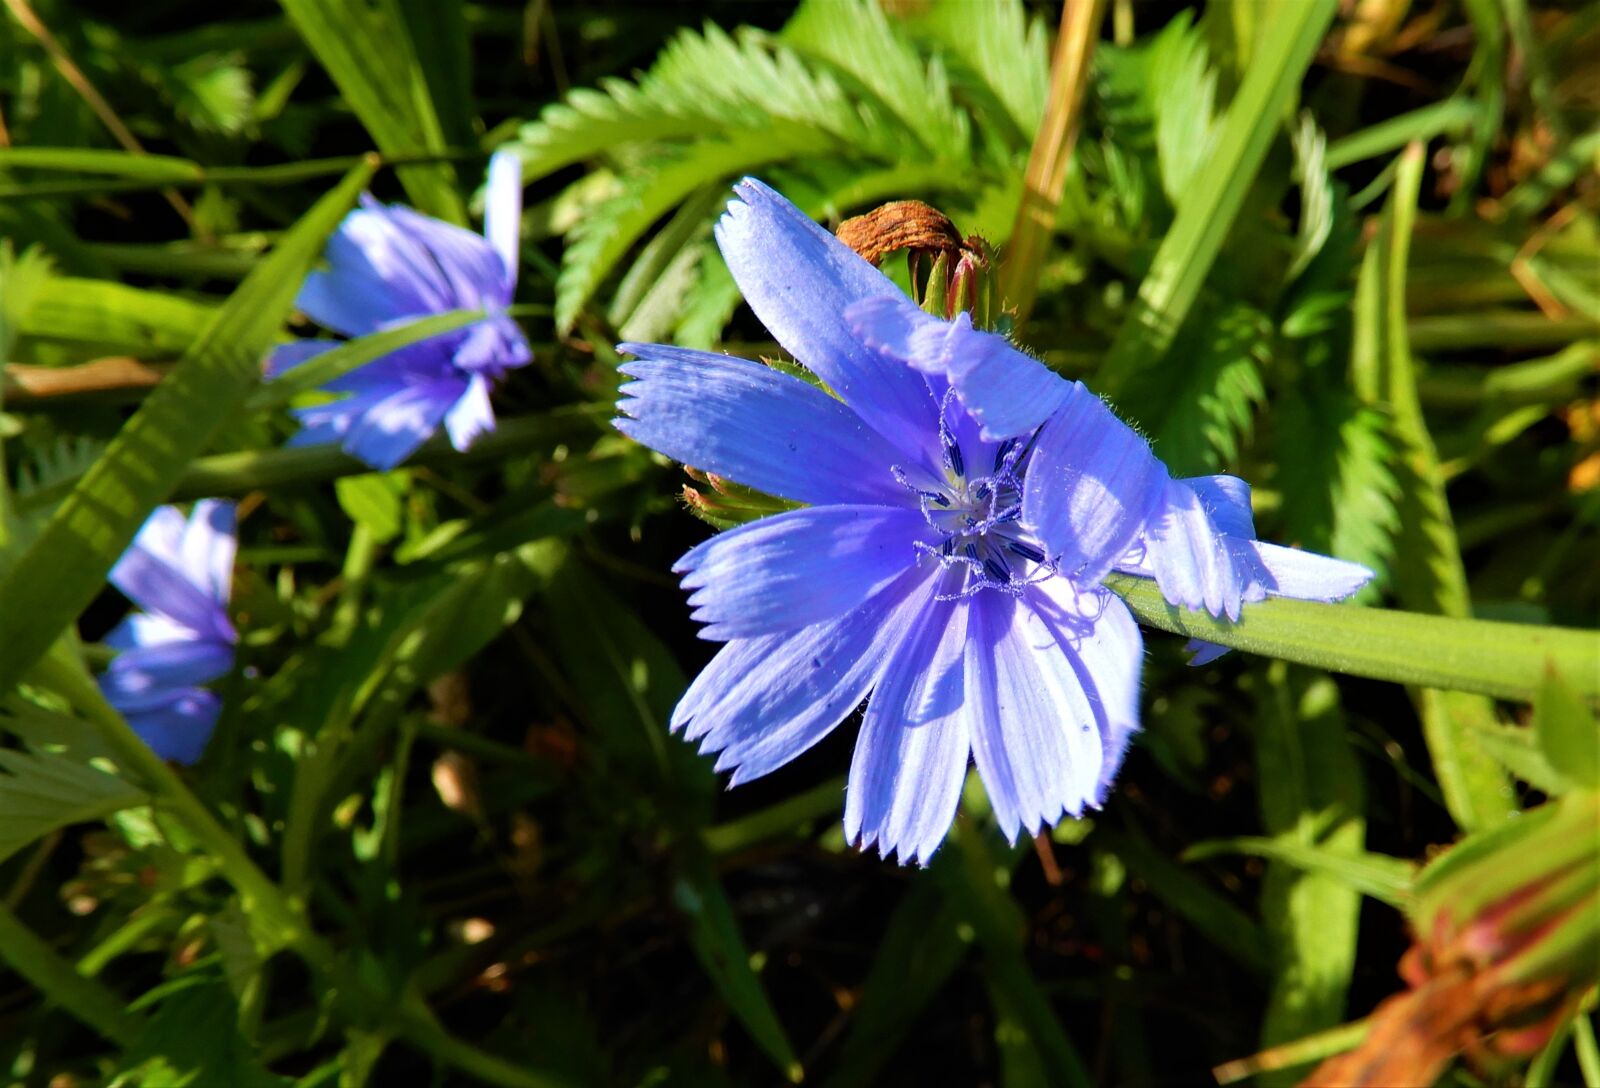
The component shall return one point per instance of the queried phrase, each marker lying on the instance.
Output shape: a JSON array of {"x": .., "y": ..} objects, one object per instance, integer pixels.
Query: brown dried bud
[{"x": 901, "y": 224}]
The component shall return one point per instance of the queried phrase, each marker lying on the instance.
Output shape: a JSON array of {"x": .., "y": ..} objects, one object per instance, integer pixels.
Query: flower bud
[{"x": 959, "y": 270}]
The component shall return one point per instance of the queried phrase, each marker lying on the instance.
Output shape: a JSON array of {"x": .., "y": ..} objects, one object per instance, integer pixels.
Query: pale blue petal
[
  {"x": 799, "y": 280},
  {"x": 142, "y": 678},
  {"x": 1091, "y": 485},
  {"x": 179, "y": 729},
  {"x": 1227, "y": 501},
  {"x": 1100, "y": 638},
  {"x": 755, "y": 426},
  {"x": 145, "y": 629},
  {"x": 1035, "y": 734},
  {"x": 473, "y": 272},
  {"x": 492, "y": 347},
  {"x": 1193, "y": 563},
  {"x": 798, "y": 567},
  {"x": 763, "y": 701},
  {"x": 1008, "y": 393},
  {"x": 391, "y": 430},
  {"x": 502, "y": 213},
  {"x": 376, "y": 274},
  {"x": 1307, "y": 576},
  {"x": 208, "y": 547},
  {"x": 911, "y": 757},
  {"x": 157, "y": 585},
  {"x": 471, "y": 415}
]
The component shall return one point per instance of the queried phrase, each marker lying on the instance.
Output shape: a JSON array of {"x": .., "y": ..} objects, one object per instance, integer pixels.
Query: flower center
[{"x": 977, "y": 511}]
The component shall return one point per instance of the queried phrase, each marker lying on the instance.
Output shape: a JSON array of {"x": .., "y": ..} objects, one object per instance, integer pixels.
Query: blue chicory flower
[
  {"x": 180, "y": 572},
  {"x": 388, "y": 266},
  {"x": 963, "y": 505}
]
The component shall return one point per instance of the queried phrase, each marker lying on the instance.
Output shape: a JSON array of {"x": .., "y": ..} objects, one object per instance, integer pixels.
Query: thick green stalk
[{"x": 1505, "y": 660}]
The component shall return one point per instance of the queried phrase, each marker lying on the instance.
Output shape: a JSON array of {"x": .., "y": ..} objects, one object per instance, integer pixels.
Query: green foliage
[
  {"x": 443, "y": 831},
  {"x": 844, "y": 91}
]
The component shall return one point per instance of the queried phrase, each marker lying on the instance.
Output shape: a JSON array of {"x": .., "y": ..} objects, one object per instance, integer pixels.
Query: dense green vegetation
[{"x": 442, "y": 834}]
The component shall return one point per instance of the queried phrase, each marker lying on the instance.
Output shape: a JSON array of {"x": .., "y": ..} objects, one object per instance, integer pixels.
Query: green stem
[
  {"x": 186, "y": 174},
  {"x": 1504, "y": 660},
  {"x": 62, "y": 985},
  {"x": 239, "y": 473}
]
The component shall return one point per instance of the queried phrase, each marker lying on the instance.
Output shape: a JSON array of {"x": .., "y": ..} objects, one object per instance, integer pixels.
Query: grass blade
[
  {"x": 317, "y": 372},
  {"x": 64, "y": 569},
  {"x": 1429, "y": 576},
  {"x": 368, "y": 53}
]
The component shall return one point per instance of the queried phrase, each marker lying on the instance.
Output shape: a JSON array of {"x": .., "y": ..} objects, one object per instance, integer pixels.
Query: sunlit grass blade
[
  {"x": 158, "y": 169},
  {"x": 1385, "y": 879},
  {"x": 1428, "y": 572},
  {"x": 339, "y": 361},
  {"x": 1255, "y": 116},
  {"x": 367, "y": 50},
  {"x": 64, "y": 569}
]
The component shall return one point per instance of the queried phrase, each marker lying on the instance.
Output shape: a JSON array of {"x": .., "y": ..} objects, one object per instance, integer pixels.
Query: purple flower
[
  {"x": 963, "y": 505},
  {"x": 180, "y": 573},
  {"x": 388, "y": 266}
]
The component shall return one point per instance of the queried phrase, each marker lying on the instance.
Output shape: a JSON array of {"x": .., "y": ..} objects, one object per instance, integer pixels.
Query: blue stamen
[
  {"x": 971, "y": 550},
  {"x": 1026, "y": 551},
  {"x": 952, "y": 456},
  {"x": 1000, "y": 452},
  {"x": 996, "y": 568},
  {"x": 981, "y": 491}
]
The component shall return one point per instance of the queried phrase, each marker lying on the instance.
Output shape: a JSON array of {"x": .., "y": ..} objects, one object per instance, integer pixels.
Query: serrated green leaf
[
  {"x": 1340, "y": 496},
  {"x": 40, "y": 793},
  {"x": 858, "y": 37},
  {"x": 1208, "y": 208},
  {"x": 1429, "y": 575},
  {"x": 1568, "y": 734},
  {"x": 61, "y": 573},
  {"x": 601, "y": 238},
  {"x": 1197, "y": 426},
  {"x": 709, "y": 84},
  {"x": 997, "y": 46}
]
